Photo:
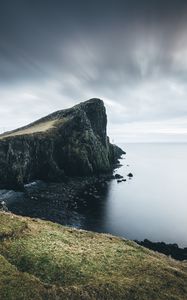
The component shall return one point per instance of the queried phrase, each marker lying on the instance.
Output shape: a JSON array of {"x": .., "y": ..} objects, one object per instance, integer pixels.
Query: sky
[{"x": 132, "y": 54}]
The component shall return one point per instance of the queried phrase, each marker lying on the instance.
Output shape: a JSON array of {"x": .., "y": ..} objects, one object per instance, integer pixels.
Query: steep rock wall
[{"x": 76, "y": 144}]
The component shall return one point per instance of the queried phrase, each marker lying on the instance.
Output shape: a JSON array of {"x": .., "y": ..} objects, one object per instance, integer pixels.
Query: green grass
[
  {"x": 57, "y": 262},
  {"x": 10, "y": 226},
  {"x": 18, "y": 285}
]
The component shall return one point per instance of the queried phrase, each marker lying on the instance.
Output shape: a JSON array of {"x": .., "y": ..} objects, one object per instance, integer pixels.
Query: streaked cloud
[{"x": 132, "y": 54}]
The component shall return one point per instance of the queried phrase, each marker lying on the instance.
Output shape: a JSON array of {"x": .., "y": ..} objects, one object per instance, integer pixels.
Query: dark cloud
[{"x": 133, "y": 54}]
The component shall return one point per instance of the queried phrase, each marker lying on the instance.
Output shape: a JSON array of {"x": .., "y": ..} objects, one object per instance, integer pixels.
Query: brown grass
[{"x": 36, "y": 128}]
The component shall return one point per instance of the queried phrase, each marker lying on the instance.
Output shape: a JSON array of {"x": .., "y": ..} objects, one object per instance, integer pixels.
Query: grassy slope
[
  {"x": 43, "y": 126},
  {"x": 42, "y": 260}
]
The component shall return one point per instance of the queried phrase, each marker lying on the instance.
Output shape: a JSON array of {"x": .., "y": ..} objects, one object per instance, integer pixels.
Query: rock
[
  {"x": 116, "y": 152},
  {"x": 110, "y": 177},
  {"x": 124, "y": 179},
  {"x": 118, "y": 181},
  {"x": 168, "y": 249},
  {"x": 130, "y": 175},
  {"x": 70, "y": 142},
  {"x": 3, "y": 206},
  {"x": 118, "y": 176}
]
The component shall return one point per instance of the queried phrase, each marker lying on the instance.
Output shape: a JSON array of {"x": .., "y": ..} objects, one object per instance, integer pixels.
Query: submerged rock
[{"x": 70, "y": 142}]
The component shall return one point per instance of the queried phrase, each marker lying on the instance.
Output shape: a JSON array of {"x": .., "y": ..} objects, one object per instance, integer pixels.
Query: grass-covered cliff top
[
  {"x": 43, "y": 126},
  {"x": 42, "y": 260},
  {"x": 52, "y": 120}
]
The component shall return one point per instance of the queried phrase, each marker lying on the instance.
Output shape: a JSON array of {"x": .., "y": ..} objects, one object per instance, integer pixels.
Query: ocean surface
[{"x": 152, "y": 205}]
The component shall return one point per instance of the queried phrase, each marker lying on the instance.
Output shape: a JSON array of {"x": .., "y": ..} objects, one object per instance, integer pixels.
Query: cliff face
[{"x": 71, "y": 142}]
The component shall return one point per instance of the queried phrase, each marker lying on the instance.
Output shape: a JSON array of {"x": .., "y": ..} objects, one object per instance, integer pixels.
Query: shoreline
[
  {"x": 77, "y": 189},
  {"x": 171, "y": 249}
]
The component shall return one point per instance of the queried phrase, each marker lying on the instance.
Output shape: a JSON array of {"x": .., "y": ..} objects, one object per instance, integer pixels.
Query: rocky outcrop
[
  {"x": 172, "y": 250},
  {"x": 71, "y": 142}
]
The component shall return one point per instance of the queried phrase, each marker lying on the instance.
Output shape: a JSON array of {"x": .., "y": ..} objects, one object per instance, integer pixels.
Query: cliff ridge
[{"x": 70, "y": 142}]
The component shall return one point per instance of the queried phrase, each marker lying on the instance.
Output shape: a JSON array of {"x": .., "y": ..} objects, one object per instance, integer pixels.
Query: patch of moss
[{"x": 75, "y": 264}]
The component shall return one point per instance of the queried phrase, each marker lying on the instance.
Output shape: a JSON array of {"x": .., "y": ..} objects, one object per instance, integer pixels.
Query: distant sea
[{"x": 152, "y": 205}]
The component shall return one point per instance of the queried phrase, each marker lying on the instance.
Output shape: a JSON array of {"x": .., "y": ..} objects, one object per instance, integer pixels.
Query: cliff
[
  {"x": 41, "y": 260},
  {"x": 70, "y": 142}
]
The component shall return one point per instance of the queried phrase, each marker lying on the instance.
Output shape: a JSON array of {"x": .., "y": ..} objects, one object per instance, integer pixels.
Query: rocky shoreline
[
  {"x": 71, "y": 152},
  {"x": 57, "y": 201},
  {"x": 76, "y": 190},
  {"x": 172, "y": 250}
]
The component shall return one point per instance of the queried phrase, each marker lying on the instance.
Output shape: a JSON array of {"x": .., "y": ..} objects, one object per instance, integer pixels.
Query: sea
[{"x": 150, "y": 205}]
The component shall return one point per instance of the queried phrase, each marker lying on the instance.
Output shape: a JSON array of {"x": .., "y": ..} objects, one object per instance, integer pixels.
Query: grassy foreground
[{"x": 42, "y": 260}]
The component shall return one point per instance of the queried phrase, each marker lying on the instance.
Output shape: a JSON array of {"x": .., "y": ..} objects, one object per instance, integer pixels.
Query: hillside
[
  {"x": 35, "y": 128},
  {"x": 70, "y": 142},
  {"x": 43, "y": 260}
]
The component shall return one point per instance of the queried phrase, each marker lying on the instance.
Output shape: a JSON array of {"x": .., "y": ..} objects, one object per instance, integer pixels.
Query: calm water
[{"x": 153, "y": 204}]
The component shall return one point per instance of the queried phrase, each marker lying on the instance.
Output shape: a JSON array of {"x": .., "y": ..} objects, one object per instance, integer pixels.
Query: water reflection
[{"x": 153, "y": 204}]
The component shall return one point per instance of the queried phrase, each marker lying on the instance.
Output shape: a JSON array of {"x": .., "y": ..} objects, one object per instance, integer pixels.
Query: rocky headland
[
  {"x": 70, "y": 142},
  {"x": 70, "y": 150}
]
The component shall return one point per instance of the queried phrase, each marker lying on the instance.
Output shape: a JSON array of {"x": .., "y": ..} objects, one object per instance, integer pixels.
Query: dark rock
[
  {"x": 124, "y": 179},
  {"x": 130, "y": 175},
  {"x": 3, "y": 206},
  {"x": 116, "y": 152},
  {"x": 74, "y": 143},
  {"x": 168, "y": 249},
  {"x": 118, "y": 176}
]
